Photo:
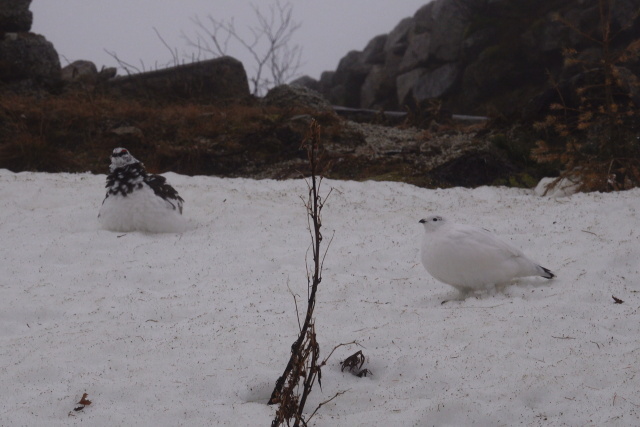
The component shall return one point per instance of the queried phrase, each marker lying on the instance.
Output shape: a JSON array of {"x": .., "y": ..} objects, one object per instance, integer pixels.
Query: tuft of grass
[{"x": 75, "y": 132}]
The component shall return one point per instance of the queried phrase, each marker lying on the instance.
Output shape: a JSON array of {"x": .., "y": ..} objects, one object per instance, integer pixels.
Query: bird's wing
[
  {"x": 164, "y": 190},
  {"x": 481, "y": 240}
]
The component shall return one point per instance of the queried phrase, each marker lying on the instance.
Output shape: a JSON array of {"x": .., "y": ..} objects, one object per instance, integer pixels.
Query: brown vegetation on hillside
[
  {"x": 76, "y": 132},
  {"x": 592, "y": 127}
]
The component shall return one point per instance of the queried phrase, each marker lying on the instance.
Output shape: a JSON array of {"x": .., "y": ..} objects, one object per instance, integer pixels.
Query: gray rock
[
  {"x": 326, "y": 83},
  {"x": 306, "y": 81},
  {"x": 128, "y": 131},
  {"x": 26, "y": 56},
  {"x": 423, "y": 19},
  {"x": 85, "y": 74},
  {"x": 447, "y": 30},
  {"x": 478, "y": 56},
  {"x": 398, "y": 39},
  {"x": 422, "y": 84},
  {"x": 348, "y": 79},
  {"x": 436, "y": 83},
  {"x": 79, "y": 70},
  {"x": 289, "y": 96},
  {"x": 15, "y": 16},
  {"x": 107, "y": 73},
  {"x": 214, "y": 80},
  {"x": 405, "y": 83},
  {"x": 373, "y": 53},
  {"x": 378, "y": 89},
  {"x": 417, "y": 54},
  {"x": 352, "y": 65},
  {"x": 326, "y": 78}
]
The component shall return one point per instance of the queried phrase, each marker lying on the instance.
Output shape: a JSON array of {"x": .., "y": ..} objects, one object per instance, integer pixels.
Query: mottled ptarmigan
[
  {"x": 137, "y": 200},
  {"x": 471, "y": 258}
]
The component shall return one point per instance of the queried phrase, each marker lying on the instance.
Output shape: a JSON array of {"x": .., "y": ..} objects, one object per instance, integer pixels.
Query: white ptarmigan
[
  {"x": 471, "y": 258},
  {"x": 138, "y": 201}
]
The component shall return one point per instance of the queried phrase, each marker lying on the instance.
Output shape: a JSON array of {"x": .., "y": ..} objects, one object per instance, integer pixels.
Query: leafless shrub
[
  {"x": 597, "y": 126},
  {"x": 132, "y": 69},
  {"x": 304, "y": 367},
  {"x": 275, "y": 59}
]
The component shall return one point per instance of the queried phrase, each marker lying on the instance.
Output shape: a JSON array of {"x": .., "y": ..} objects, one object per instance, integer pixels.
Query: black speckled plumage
[
  {"x": 127, "y": 174},
  {"x": 125, "y": 179},
  {"x": 162, "y": 189}
]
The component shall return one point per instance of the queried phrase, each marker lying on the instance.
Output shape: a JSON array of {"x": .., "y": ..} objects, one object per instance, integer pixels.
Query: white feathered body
[
  {"x": 138, "y": 201},
  {"x": 470, "y": 258},
  {"x": 140, "y": 210}
]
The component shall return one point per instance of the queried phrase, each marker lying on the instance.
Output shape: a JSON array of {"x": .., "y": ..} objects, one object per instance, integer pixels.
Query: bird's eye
[{"x": 435, "y": 220}]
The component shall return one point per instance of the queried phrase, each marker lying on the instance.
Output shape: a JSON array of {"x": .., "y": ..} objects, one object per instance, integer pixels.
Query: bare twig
[
  {"x": 173, "y": 51},
  {"x": 295, "y": 301},
  {"x": 275, "y": 59},
  {"x": 124, "y": 65},
  {"x": 294, "y": 386},
  {"x": 324, "y": 362},
  {"x": 340, "y": 393}
]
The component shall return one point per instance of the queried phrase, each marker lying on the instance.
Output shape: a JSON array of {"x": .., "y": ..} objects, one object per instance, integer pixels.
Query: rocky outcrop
[
  {"x": 79, "y": 70},
  {"x": 478, "y": 56},
  {"x": 15, "y": 16},
  {"x": 28, "y": 62},
  {"x": 84, "y": 74},
  {"x": 28, "y": 59},
  {"x": 295, "y": 96},
  {"x": 214, "y": 80}
]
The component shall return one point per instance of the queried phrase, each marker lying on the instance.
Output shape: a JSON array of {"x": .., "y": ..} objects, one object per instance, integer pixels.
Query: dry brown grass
[{"x": 76, "y": 132}]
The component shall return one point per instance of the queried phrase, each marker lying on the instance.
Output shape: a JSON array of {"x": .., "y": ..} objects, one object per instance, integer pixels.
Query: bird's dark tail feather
[{"x": 547, "y": 273}]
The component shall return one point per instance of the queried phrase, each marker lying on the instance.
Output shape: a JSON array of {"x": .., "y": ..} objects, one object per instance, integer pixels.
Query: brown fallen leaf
[
  {"x": 617, "y": 300},
  {"x": 84, "y": 400}
]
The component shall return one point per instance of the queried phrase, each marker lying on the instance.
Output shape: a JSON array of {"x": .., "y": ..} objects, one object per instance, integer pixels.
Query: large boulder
[
  {"x": 378, "y": 89},
  {"x": 295, "y": 96},
  {"x": 420, "y": 84},
  {"x": 215, "y": 80},
  {"x": 478, "y": 57},
  {"x": 397, "y": 41},
  {"x": 446, "y": 23},
  {"x": 373, "y": 53},
  {"x": 406, "y": 81},
  {"x": 79, "y": 70},
  {"x": 347, "y": 81},
  {"x": 418, "y": 52},
  {"x": 15, "y": 16},
  {"x": 28, "y": 57},
  {"x": 306, "y": 81},
  {"x": 84, "y": 74}
]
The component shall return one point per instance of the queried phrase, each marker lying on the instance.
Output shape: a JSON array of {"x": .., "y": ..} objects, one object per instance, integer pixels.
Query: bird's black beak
[{"x": 422, "y": 221}]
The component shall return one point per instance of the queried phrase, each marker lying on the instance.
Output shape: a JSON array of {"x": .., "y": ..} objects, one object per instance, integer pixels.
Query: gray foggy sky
[{"x": 83, "y": 29}]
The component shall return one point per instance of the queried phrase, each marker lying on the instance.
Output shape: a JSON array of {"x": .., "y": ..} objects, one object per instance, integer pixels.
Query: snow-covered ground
[{"x": 194, "y": 329}]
